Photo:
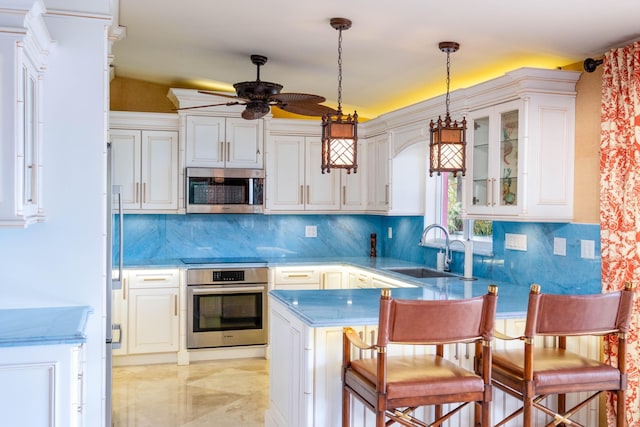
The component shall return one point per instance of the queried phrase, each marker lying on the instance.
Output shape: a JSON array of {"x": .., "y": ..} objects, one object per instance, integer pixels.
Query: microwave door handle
[{"x": 227, "y": 289}]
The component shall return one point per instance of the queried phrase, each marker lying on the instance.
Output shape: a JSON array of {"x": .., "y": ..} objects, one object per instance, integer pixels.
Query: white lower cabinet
[
  {"x": 148, "y": 311},
  {"x": 46, "y": 385},
  {"x": 153, "y": 320},
  {"x": 332, "y": 277}
]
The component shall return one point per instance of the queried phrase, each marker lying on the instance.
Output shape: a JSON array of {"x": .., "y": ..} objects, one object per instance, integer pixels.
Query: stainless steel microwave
[{"x": 211, "y": 190}]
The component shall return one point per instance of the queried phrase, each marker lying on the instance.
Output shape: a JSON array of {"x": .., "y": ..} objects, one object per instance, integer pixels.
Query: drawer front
[
  {"x": 286, "y": 276},
  {"x": 169, "y": 277}
]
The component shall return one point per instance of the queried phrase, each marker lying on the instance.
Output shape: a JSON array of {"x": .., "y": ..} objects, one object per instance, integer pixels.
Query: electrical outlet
[
  {"x": 515, "y": 242},
  {"x": 587, "y": 249},
  {"x": 560, "y": 246},
  {"x": 310, "y": 231}
]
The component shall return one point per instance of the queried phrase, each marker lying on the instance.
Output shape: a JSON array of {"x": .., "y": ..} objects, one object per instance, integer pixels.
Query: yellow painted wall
[
  {"x": 137, "y": 95},
  {"x": 587, "y": 153}
]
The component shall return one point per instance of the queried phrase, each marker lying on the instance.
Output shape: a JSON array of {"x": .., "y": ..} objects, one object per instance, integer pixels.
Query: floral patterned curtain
[{"x": 620, "y": 203}]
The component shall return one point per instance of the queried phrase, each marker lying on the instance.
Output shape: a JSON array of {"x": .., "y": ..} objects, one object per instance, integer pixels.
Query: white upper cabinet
[
  {"x": 396, "y": 162},
  {"x": 493, "y": 170},
  {"x": 295, "y": 181},
  {"x": 24, "y": 44},
  {"x": 217, "y": 136},
  {"x": 221, "y": 142},
  {"x": 354, "y": 185},
  {"x": 520, "y": 152},
  {"x": 378, "y": 180},
  {"x": 146, "y": 163}
]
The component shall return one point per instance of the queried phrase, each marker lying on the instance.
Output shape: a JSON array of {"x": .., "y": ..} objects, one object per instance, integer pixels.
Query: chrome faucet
[{"x": 447, "y": 252}]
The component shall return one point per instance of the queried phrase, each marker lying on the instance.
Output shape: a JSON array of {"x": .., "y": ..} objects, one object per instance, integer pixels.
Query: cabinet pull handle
[
  {"x": 137, "y": 192},
  {"x": 308, "y": 193},
  {"x": 386, "y": 194},
  {"x": 144, "y": 192},
  {"x": 488, "y": 191},
  {"x": 32, "y": 190},
  {"x": 296, "y": 276},
  {"x": 175, "y": 305},
  {"x": 344, "y": 194},
  {"x": 302, "y": 194},
  {"x": 124, "y": 289},
  {"x": 493, "y": 191},
  {"x": 221, "y": 150},
  {"x": 228, "y": 151}
]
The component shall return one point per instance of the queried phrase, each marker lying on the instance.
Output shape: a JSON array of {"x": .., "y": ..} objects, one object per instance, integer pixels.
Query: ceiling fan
[{"x": 259, "y": 96}]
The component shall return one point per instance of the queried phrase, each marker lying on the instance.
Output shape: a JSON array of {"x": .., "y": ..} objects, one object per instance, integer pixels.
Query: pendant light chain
[
  {"x": 340, "y": 71},
  {"x": 448, "y": 100}
]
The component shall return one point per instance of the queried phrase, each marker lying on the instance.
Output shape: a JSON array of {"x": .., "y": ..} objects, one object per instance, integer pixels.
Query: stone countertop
[
  {"x": 358, "y": 307},
  {"x": 43, "y": 326}
]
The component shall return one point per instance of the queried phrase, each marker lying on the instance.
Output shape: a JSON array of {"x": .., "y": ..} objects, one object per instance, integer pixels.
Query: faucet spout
[{"x": 447, "y": 252}]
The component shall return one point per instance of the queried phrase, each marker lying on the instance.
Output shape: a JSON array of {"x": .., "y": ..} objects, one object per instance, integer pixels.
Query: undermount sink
[{"x": 421, "y": 272}]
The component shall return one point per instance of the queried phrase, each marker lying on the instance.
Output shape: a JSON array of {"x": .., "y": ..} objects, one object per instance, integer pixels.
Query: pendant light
[
  {"x": 448, "y": 139},
  {"x": 340, "y": 132}
]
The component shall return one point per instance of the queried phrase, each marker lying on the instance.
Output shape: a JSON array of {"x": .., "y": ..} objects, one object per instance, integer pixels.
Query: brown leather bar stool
[
  {"x": 531, "y": 373},
  {"x": 393, "y": 387}
]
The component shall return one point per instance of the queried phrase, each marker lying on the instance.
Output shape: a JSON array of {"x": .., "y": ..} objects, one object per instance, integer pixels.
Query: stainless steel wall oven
[{"x": 226, "y": 307}]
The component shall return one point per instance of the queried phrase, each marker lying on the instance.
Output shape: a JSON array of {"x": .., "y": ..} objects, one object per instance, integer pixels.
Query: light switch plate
[
  {"x": 310, "y": 231},
  {"x": 560, "y": 246},
  {"x": 587, "y": 249},
  {"x": 390, "y": 233},
  {"x": 515, "y": 242}
]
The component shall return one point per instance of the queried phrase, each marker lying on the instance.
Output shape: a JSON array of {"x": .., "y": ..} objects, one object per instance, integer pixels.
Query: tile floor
[{"x": 221, "y": 393}]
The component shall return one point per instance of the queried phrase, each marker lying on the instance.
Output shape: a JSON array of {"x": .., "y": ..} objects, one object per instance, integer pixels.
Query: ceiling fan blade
[
  {"x": 306, "y": 109},
  {"x": 249, "y": 114},
  {"x": 298, "y": 97},
  {"x": 210, "y": 105}
]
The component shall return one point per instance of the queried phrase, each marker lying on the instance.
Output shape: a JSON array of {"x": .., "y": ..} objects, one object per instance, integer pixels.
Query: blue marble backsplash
[{"x": 157, "y": 237}]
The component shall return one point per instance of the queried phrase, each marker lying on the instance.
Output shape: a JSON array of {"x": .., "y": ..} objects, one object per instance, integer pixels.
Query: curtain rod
[{"x": 591, "y": 64}]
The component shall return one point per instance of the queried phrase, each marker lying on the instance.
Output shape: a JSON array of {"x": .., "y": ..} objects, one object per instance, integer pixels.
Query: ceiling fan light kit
[
  {"x": 447, "y": 147},
  {"x": 340, "y": 132}
]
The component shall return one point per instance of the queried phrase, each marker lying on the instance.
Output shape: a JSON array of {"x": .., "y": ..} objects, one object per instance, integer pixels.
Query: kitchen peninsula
[{"x": 305, "y": 336}]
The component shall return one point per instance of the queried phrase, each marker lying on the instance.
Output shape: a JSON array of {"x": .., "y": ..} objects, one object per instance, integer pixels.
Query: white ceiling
[{"x": 390, "y": 55}]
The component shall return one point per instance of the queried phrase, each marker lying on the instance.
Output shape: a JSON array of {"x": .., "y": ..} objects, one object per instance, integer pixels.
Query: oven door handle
[{"x": 227, "y": 289}]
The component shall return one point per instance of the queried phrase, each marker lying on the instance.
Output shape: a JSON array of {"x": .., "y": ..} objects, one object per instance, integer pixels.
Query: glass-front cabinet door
[{"x": 493, "y": 153}]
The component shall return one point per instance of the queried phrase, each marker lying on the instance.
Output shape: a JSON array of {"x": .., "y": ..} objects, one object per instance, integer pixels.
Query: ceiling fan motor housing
[{"x": 257, "y": 90}]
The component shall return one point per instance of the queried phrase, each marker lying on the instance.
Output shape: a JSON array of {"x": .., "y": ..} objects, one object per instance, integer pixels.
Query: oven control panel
[
  {"x": 228, "y": 275},
  {"x": 221, "y": 276}
]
